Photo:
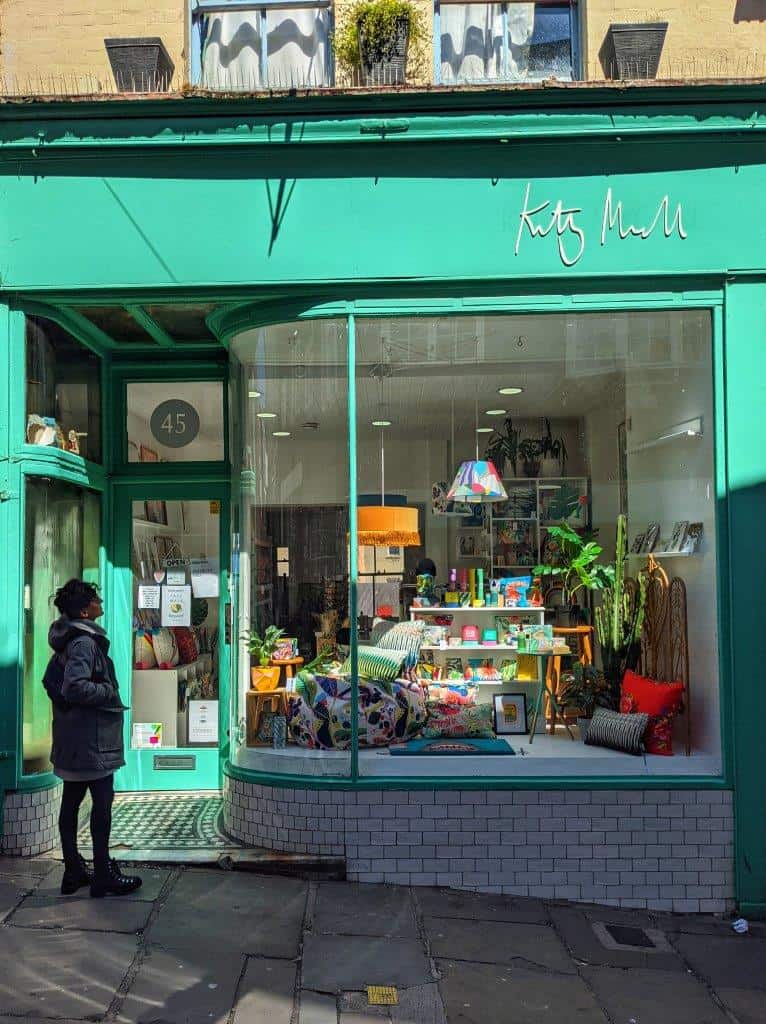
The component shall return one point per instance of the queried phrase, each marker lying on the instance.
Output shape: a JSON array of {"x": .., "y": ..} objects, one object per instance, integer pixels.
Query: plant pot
[
  {"x": 140, "y": 64},
  {"x": 550, "y": 467},
  {"x": 531, "y": 467},
  {"x": 385, "y": 64},
  {"x": 565, "y": 618},
  {"x": 582, "y": 726},
  {"x": 635, "y": 49},
  {"x": 264, "y": 677}
]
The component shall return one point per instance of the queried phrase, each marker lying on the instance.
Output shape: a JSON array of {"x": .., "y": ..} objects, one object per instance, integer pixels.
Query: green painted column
[{"x": 745, "y": 400}]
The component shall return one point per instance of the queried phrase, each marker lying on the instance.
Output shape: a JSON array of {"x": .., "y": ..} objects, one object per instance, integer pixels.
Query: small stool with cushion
[{"x": 255, "y": 703}]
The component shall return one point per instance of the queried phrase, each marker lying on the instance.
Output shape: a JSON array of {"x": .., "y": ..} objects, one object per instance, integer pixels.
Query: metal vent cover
[{"x": 175, "y": 762}]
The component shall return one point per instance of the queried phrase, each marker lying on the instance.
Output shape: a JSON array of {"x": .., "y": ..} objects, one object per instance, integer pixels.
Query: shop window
[
  {"x": 61, "y": 541},
  {"x": 175, "y": 421},
  {"x": 504, "y": 42},
  {"x": 291, "y": 554},
  {"x": 266, "y": 45},
  {"x": 63, "y": 391}
]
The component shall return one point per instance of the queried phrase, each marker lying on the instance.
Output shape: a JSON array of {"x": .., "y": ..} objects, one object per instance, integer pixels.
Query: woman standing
[{"x": 87, "y": 736}]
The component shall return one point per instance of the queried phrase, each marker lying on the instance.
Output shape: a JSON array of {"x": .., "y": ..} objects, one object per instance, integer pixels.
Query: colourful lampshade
[
  {"x": 477, "y": 481},
  {"x": 378, "y": 525}
]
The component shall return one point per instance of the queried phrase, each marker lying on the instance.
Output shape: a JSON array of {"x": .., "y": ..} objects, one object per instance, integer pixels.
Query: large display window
[{"x": 536, "y": 591}]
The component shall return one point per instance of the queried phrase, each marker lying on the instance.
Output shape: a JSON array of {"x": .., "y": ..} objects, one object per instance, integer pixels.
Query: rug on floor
[
  {"x": 166, "y": 821},
  {"x": 449, "y": 747}
]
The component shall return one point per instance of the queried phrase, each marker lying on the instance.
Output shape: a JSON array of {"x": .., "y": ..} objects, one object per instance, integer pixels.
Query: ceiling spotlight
[
  {"x": 280, "y": 433},
  {"x": 266, "y": 415},
  {"x": 485, "y": 430},
  {"x": 252, "y": 393},
  {"x": 381, "y": 423},
  {"x": 509, "y": 391},
  {"x": 496, "y": 412}
]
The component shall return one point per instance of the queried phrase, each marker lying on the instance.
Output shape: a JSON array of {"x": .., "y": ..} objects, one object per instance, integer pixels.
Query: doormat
[
  {"x": 451, "y": 747},
  {"x": 166, "y": 821}
]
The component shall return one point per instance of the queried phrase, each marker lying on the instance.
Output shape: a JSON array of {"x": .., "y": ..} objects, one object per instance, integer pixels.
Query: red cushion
[
  {"x": 651, "y": 697},
  {"x": 187, "y": 645}
]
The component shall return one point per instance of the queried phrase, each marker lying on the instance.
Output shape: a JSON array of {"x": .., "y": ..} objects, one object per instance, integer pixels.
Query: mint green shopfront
[{"x": 247, "y": 318}]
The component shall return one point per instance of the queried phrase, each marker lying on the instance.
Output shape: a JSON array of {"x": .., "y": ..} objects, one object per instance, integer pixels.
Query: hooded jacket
[{"x": 87, "y": 711}]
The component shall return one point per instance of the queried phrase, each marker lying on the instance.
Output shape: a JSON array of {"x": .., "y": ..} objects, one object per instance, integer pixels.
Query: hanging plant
[{"x": 375, "y": 37}]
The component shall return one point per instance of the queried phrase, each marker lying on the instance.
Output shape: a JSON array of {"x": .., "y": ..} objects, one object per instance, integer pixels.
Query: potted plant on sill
[
  {"x": 264, "y": 676},
  {"x": 375, "y": 36},
  {"x": 633, "y": 50},
  {"x": 584, "y": 689},
  {"x": 140, "y": 64},
  {"x": 576, "y": 568},
  {"x": 554, "y": 453},
  {"x": 531, "y": 451},
  {"x": 503, "y": 447}
]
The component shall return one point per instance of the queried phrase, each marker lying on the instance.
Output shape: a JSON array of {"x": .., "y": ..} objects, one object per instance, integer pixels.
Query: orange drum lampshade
[{"x": 378, "y": 525}]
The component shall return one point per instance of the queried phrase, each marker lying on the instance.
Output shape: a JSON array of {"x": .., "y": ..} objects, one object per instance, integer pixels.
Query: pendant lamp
[{"x": 477, "y": 481}]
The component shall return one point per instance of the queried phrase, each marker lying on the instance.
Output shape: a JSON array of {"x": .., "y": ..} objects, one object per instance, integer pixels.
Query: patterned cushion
[
  {"x": 143, "y": 651},
  {"x": 617, "y": 731},
  {"x": 319, "y": 714},
  {"x": 165, "y": 648},
  {"x": 661, "y": 701},
  {"x": 405, "y": 636},
  {"x": 187, "y": 645},
  {"x": 467, "y": 720},
  {"x": 377, "y": 663}
]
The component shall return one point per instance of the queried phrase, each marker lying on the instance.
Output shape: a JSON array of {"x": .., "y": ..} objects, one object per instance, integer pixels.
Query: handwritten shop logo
[{"x": 561, "y": 221}]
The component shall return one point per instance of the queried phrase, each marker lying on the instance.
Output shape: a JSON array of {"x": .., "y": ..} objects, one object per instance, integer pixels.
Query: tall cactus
[{"x": 620, "y": 616}]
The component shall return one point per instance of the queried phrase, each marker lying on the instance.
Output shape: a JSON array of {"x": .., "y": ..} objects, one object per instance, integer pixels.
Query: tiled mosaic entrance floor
[{"x": 165, "y": 821}]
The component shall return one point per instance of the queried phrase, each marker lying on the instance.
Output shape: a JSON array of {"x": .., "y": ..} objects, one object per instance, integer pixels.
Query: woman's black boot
[
  {"x": 76, "y": 875},
  {"x": 113, "y": 882}
]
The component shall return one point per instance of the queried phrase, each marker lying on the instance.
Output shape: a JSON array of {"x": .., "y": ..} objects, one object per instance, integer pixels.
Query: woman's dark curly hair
[{"x": 74, "y": 597}]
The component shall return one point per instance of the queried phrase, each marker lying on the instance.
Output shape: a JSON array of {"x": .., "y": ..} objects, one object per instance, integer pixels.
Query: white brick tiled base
[
  {"x": 655, "y": 849},
  {"x": 29, "y": 822}
]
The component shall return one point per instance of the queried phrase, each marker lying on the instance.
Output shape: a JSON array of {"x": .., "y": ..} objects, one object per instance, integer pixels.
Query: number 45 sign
[{"x": 174, "y": 423}]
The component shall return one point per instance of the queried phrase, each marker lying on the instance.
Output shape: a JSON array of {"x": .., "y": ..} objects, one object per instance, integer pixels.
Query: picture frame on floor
[
  {"x": 510, "y": 714},
  {"x": 678, "y": 537}
]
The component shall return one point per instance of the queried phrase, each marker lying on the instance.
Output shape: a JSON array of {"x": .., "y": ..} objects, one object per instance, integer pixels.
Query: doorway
[{"x": 174, "y": 593}]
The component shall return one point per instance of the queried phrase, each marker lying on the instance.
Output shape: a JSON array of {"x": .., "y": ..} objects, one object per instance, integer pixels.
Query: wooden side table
[
  {"x": 544, "y": 689},
  {"x": 289, "y": 665},
  {"x": 583, "y": 639},
  {"x": 255, "y": 702}
]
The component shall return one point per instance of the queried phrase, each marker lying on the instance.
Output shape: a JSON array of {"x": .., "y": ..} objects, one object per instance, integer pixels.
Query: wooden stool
[
  {"x": 288, "y": 664},
  {"x": 581, "y": 638},
  {"x": 255, "y": 702}
]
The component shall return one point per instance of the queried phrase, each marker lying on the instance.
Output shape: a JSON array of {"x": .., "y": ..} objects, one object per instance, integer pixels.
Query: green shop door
[{"x": 168, "y": 621}]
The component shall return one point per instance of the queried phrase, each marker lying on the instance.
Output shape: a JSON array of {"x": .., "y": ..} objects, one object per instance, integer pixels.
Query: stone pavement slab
[
  {"x": 11, "y": 894},
  {"x": 153, "y": 879},
  {"x": 475, "y": 906},
  {"x": 267, "y": 992},
  {"x": 497, "y": 942},
  {"x": 647, "y": 997},
  {"x": 23, "y": 871},
  {"x": 242, "y": 913},
  {"x": 61, "y": 973},
  {"x": 736, "y": 962},
  {"x": 576, "y": 929},
  {"x": 487, "y": 994},
  {"x": 82, "y": 913},
  {"x": 337, "y": 963},
  {"x": 317, "y": 1009},
  {"x": 175, "y": 987},
  {"x": 747, "y": 1004},
  {"x": 347, "y": 908}
]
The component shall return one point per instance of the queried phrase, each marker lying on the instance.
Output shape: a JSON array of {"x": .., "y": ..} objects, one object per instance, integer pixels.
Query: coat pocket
[{"x": 109, "y": 731}]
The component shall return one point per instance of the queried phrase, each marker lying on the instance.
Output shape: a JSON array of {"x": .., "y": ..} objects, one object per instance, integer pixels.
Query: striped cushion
[
  {"x": 405, "y": 636},
  {"x": 616, "y": 731},
  {"x": 377, "y": 663}
]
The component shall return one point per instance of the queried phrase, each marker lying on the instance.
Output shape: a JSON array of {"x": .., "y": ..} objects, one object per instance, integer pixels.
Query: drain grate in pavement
[
  {"x": 628, "y": 938},
  {"x": 382, "y": 995}
]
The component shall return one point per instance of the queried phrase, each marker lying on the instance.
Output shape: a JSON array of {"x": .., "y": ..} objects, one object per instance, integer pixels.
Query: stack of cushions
[
  {"x": 164, "y": 648},
  {"x": 377, "y": 663},
  {"x": 661, "y": 702},
  {"x": 408, "y": 637},
  {"x": 319, "y": 711},
  {"x": 186, "y": 642}
]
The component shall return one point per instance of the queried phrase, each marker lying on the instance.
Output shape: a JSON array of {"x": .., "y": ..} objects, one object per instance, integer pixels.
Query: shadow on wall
[{"x": 750, "y": 10}]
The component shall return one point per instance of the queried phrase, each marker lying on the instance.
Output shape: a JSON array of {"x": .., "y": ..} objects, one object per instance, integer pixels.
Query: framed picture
[
  {"x": 393, "y": 551},
  {"x": 678, "y": 537},
  {"x": 651, "y": 537},
  {"x": 147, "y": 454},
  {"x": 693, "y": 537},
  {"x": 638, "y": 544},
  {"x": 466, "y": 545},
  {"x": 622, "y": 466},
  {"x": 510, "y": 714},
  {"x": 156, "y": 512}
]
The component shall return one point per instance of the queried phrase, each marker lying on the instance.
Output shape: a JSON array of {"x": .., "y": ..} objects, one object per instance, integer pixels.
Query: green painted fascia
[
  {"x": 151, "y": 326},
  {"x": 578, "y": 782},
  {"x": 60, "y": 465},
  {"x": 71, "y": 320},
  {"x": 388, "y": 117}
]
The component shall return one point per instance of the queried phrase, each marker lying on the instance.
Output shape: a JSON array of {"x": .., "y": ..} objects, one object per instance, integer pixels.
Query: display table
[
  {"x": 255, "y": 703},
  {"x": 289, "y": 665},
  {"x": 544, "y": 687}
]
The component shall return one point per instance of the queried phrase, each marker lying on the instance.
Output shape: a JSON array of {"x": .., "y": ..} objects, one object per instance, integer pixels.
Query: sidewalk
[{"x": 216, "y": 947}]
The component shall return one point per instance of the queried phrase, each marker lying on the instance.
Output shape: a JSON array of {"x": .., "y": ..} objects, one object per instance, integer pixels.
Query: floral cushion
[
  {"x": 319, "y": 713},
  {"x": 466, "y": 720},
  {"x": 660, "y": 701}
]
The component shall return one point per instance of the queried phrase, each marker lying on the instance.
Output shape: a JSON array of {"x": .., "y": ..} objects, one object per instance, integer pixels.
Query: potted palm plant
[
  {"x": 554, "y": 453},
  {"x": 503, "y": 447},
  {"x": 374, "y": 36},
  {"x": 584, "y": 689},
  {"x": 575, "y": 567},
  {"x": 531, "y": 450},
  {"x": 264, "y": 676}
]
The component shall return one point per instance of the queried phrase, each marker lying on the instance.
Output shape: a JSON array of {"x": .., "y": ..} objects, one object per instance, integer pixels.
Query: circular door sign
[{"x": 174, "y": 423}]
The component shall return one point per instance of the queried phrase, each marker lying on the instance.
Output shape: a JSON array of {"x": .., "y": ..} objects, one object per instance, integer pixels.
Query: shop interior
[{"x": 587, "y": 417}]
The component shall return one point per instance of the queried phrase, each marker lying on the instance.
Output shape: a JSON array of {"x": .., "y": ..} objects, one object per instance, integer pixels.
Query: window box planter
[
  {"x": 385, "y": 65},
  {"x": 140, "y": 64},
  {"x": 634, "y": 50}
]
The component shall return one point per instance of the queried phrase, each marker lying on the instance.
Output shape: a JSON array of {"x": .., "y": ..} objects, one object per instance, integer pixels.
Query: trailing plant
[
  {"x": 577, "y": 565},
  {"x": 377, "y": 21},
  {"x": 620, "y": 617},
  {"x": 553, "y": 447},
  {"x": 584, "y": 689},
  {"x": 263, "y": 647},
  {"x": 504, "y": 447}
]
